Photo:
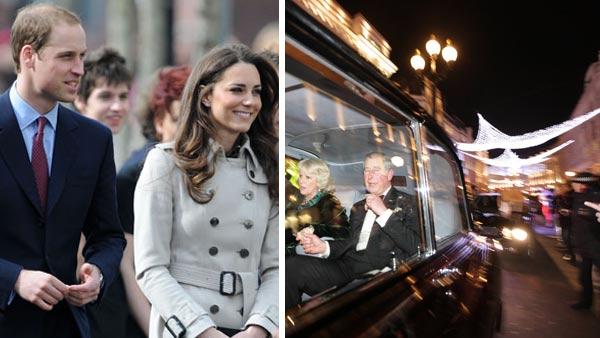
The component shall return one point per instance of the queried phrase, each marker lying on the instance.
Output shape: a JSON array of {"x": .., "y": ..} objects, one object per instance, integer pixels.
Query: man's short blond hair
[{"x": 33, "y": 26}]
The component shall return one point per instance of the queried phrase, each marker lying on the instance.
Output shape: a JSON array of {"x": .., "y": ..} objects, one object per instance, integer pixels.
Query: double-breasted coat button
[
  {"x": 252, "y": 173},
  {"x": 214, "y": 309},
  {"x": 214, "y": 221},
  {"x": 244, "y": 253},
  {"x": 249, "y": 195},
  {"x": 248, "y": 224},
  {"x": 213, "y": 251}
]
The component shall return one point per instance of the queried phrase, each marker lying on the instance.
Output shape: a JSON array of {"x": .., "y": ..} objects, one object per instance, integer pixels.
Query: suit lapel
[
  {"x": 65, "y": 148},
  {"x": 358, "y": 216},
  {"x": 14, "y": 152},
  {"x": 390, "y": 199}
]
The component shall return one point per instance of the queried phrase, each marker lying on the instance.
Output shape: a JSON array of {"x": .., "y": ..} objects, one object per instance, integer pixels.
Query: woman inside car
[{"x": 316, "y": 209}]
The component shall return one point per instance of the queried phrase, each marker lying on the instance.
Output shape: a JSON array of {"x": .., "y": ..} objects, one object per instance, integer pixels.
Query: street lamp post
[{"x": 433, "y": 48}]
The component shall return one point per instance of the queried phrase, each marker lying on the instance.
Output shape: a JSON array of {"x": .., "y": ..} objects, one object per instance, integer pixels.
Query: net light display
[
  {"x": 489, "y": 137},
  {"x": 509, "y": 159}
]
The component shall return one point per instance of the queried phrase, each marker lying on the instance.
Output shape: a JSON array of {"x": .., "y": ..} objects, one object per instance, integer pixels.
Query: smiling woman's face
[{"x": 234, "y": 101}]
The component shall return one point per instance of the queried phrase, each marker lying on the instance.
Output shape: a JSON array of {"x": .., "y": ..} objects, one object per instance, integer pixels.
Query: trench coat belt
[
  {"x": 227, "y": 281},
  {"x": 250, "y": 281}
]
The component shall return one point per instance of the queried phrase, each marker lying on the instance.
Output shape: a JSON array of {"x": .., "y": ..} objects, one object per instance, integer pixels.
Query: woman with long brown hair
[{"x": 206, "y": 205}]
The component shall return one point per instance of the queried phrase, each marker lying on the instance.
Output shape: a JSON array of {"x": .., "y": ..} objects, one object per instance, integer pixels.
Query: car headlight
[
  {"x": 519, "y": 234},
  {"x": 507, "y": 233}
]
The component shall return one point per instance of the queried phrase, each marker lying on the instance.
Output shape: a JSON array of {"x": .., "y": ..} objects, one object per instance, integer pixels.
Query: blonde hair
[{"x": 320, "y": 170}]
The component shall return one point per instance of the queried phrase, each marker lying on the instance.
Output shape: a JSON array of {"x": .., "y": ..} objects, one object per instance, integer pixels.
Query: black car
[
  {"x": 513, "y": 234},
  {"x": 339, "y": 107}
]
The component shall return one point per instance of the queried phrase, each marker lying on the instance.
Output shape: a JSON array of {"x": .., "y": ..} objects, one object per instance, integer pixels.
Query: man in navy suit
[
  {"x": 385, "y": 222},
  {"x": 57, "y": 179}
]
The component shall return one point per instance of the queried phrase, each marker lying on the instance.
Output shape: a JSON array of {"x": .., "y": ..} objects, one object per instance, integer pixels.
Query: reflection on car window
[
  {"x": 445, "y": 188},
  {"x": 340, "y": 128}
]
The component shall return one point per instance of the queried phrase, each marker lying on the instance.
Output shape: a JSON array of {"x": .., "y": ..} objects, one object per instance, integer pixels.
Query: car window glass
[
  {"x": 340, "y": 127},
  {"x": 445, "y": 188}
]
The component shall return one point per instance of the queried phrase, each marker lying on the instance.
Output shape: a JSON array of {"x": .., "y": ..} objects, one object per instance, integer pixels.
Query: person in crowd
[
  {"x": 564, "y": 203},
  {"x": 206, "y": 212},
  {"x": 317, "y": 210},
  {"x": 158, "y": 117},
  {"x": 546, "y": 199},
  {"x": 103, "y": 96},
  {"x": 159, "y": 124},
  {"x": 103, "y": 93},
  {"x": 58, "y": 177},
  {"x": 383, "y": 224},
  {"x": 586, "y": 233}
]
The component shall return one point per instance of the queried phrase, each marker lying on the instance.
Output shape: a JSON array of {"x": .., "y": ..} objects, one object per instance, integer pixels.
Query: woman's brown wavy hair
[{"x": 195, "y": 128}]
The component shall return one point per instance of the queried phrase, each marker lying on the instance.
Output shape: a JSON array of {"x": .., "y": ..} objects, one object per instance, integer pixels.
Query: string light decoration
[
  {"x": 509, "y": 159},
  {"x": 528, "y": 170},
  {"x": 489, "y": 137}
]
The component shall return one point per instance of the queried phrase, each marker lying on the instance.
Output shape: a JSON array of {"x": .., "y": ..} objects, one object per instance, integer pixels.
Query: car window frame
[{"x": 465, "y": 223}]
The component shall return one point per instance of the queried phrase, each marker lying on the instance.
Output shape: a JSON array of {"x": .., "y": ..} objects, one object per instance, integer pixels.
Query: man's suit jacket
[
  {"x": 81, "y": 198},
  {"x": 399, "y": 235}
]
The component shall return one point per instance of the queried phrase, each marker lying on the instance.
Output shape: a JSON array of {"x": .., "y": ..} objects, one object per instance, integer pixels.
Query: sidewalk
[{"x": 548, "y": 239}]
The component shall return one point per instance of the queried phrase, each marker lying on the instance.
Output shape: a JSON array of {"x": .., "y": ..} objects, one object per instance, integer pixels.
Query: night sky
[{"x": 521, "y": 67}]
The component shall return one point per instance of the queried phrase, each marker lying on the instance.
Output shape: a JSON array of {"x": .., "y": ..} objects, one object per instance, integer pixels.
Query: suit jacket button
[
  {"x": 252, "y": 173},
  {"x": 214, "y": 309},
  {"x": 213, "y": 251},
  {"x": 244, "y": 253},
  {"x": 248, "y": 224},
  {"x": 214, "y": 221},
  {"x": 249, "y": 195}
]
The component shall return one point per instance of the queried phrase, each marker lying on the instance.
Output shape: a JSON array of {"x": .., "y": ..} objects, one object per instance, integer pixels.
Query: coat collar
[
  {"x": 254, "y": 170},
  {"x": 26, "y": 114},
  {"x": 14, "y": 152},
  {"x": 12, "y": 149}
]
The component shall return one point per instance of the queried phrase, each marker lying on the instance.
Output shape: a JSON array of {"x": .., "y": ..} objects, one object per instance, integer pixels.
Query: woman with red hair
[{"x": 159, "y": 123}]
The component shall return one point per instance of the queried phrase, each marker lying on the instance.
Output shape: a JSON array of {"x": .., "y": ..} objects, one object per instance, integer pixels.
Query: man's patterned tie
[{"x": 39, "y": 162}]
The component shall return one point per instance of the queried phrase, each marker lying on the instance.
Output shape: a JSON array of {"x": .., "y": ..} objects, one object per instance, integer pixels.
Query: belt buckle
[
  {"x": 179, "y": 330},
  {"x": 222, "y": 282}
]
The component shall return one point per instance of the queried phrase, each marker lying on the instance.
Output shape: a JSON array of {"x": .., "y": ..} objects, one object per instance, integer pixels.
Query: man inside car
[{"x": 384, "y": 224}]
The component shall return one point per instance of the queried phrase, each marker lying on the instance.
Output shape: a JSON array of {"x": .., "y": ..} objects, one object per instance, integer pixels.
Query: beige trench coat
[{"x": 204, "y": 265}]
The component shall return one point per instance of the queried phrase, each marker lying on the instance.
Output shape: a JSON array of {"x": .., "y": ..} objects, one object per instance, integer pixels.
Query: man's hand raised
[
  {"x": 40, "y": 288},
  {"x": 89, "y": 289},
  {"x": 375, "y": 203}
]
